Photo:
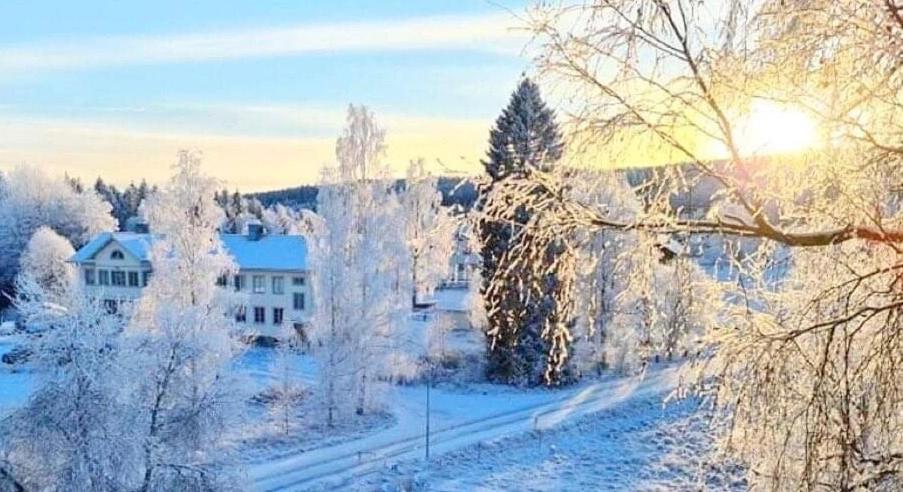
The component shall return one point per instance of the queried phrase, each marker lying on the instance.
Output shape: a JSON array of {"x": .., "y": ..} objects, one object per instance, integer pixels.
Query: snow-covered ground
[
  {"x": 16, "y": 384},
  {"x": 459, "y": 418},
  {"x": 609, "y": 433},
  {"x": 636, "y": 444}
]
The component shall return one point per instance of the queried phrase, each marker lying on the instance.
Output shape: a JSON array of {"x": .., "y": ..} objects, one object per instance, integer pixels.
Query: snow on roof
[
  {"x": 270, "y": 252},
  {"x": 138, "y": 245}
]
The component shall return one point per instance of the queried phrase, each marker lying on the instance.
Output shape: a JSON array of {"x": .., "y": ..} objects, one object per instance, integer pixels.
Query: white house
[
  {"x": 273, "y": 272},
  {"x": 463, "y": 262}
]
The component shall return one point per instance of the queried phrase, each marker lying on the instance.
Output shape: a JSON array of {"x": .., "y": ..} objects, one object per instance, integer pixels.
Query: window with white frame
[
  {"x": 117, "y": 255},
  {"x": 133, "y": 279},
  {"x": 90, "y": 277},
  {"x": 278, "y": 285},
  {"x": 103, "y": 277},
  {"x": 298, "y": 301},
  {"x": 117, "y": 278},
  {"x": 298, "y": 281},
  {"x": 260, "y": 315},
  {"x": 277, "y": 316},
  {"x": 257, "y": 282}
]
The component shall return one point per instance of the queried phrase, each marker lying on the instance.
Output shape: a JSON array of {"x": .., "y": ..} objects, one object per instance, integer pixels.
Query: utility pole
[{"x": 429, "y": 383}]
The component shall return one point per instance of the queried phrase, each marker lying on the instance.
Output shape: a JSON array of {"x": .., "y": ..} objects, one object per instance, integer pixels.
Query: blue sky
[{"x": 116, "y": 88}]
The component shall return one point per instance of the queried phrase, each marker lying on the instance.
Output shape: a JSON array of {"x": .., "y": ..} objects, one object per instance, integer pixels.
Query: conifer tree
[{"x": 526, "y": 337}]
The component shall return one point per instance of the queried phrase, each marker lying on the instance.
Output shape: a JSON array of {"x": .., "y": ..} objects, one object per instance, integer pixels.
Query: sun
[{"x": 770, "y": 128}]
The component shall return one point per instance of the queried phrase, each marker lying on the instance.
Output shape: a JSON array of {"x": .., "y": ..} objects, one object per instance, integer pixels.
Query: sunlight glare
[{"x": 771, "y": 128}]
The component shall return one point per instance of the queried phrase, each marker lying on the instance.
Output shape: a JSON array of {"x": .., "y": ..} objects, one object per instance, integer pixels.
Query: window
[
  {"x": 297, "y": 281},
  {"x": 260, "y": 315},
  {"x": 257, "y": 284},
  {"x": 239, "y": 282},
  {"x": 117, "y": 255},
  {"x": 298, "y": 301},
  {"x": 241, "y": 314},
  {"x": 222, "y": 281},
  {"x": 145, "y": 278},
  {"x": 278, "y": 285},
  {"x": 111, "y": 306},
  {"x": 133, "y": 279},
  {"x": 277, "y": 316},
  {"x": 117, "y": 278},
  {"x": 103, "y": 277},
  {"x": 89, "y": 276}
]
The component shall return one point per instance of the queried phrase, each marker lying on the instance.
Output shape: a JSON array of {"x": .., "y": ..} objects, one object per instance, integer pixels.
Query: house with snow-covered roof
[{"x": 273, "y": 272}]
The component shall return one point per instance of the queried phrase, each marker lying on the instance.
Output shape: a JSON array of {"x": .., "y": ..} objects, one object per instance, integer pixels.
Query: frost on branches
[
  {"x": 76, "y": 431},
  {"x": 181, "y": 338},
  {"x": 29, "y": 200},
  {"x": 136, "y": 400},
  {"x": 528, "y": 329},
  {"x": 360, "y": 260},
  {"x": 46, "y": 262},
  {"x": 803, "y": 362},
  {"x": 429, "y": 231}
]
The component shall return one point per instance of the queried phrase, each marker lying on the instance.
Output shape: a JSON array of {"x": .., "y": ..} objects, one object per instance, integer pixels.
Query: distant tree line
[
  {"x": 125, "y": 202},
  {"x": 455, "y": 191},
  {"x": 241, "y": 207}
]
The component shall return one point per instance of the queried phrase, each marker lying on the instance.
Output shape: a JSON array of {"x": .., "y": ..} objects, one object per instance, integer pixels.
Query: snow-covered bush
[
  {"x": 46, "y": 261},
  {"x": 76, "y": 432},
  {"x": 287, "y": 393}
]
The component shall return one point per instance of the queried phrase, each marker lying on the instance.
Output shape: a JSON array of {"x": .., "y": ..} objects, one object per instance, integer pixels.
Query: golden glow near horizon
[{"x": 120, "y": 155}]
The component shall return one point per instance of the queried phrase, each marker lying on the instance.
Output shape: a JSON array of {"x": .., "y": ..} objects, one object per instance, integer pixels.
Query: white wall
[
  {"x": 268, "y": 300},
  {"x": 102, "y": 261}
]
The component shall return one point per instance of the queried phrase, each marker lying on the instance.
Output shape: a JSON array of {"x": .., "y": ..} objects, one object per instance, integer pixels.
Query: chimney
[
  {"x": 137, "y": 225},
  {"x": 255, "y": 231}
]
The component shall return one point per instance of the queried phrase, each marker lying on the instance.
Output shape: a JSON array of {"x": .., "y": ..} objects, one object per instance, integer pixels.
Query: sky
[{"x": 114, "y": 89}]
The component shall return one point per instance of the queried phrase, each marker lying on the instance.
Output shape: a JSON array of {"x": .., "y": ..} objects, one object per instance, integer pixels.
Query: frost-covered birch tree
[
  {"x": 602, "y": 271},
  {"x": 429, "y": 230},
  {"x": 73, "y": 434},
  {"x": 29, "y": 200},
  {"x": 361, "y": 297},
  {"x": 181, "y": 340},
  {"x": 287, "y": 392},
  {"x": 803, "y": 363}
]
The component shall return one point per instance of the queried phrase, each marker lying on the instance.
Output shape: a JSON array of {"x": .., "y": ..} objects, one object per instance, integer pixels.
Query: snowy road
[{"x": 339, "y": 465}]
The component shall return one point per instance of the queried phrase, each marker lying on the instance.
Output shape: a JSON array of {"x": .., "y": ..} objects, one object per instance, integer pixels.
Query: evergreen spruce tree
[
  {"x": 525, "y": 138},
  {"x": 525, "y": 135}
]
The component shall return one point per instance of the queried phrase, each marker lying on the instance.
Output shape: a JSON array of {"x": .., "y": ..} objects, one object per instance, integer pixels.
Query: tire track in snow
[{"x": 338, "y": 467}]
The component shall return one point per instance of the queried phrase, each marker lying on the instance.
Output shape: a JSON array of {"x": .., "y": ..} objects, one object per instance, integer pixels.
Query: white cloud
[{"x": 491, "y": 33}]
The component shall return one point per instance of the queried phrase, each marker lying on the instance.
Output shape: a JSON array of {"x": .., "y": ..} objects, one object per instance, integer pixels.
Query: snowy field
[
  {"x": 460, "y": 420},
  {"x": 640, "y": 444},
  {"x": 611, "y": 433}
]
